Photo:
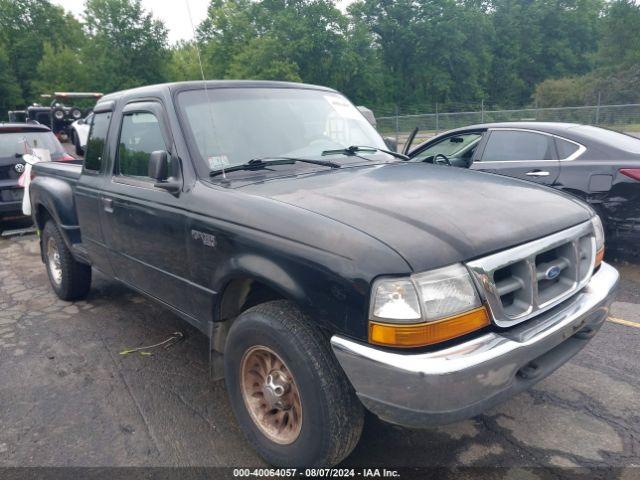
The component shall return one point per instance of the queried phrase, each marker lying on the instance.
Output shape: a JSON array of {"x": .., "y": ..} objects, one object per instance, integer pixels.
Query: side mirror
[{"x": 159, "y": 164}]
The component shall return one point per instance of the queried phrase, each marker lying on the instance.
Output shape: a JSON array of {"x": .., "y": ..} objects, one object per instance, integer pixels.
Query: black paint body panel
[{"x": 318, "y": 237}]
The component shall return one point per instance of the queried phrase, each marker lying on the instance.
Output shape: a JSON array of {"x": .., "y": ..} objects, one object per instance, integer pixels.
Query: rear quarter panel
[{"x": 51, "y": 193}]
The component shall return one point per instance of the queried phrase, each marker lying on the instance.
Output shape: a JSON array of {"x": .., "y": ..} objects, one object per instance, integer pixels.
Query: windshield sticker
[
  {"x": 218, "y": 161},
  {"x": 342, "y": 106},
  {"x": 207, "y": 239}
]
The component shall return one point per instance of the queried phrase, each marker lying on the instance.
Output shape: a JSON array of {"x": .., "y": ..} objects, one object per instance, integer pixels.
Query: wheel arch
[
  {"x": 41, "y": 215},
  {"x": 251, "y": 281},
  {"x": 254, "y": 273},
  {"x": 52, "y": 198},
  {"x": 243, "y": 292}
]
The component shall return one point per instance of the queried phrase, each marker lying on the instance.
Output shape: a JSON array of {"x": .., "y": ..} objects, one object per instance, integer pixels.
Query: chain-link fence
[{"x": 618, "y": 117}]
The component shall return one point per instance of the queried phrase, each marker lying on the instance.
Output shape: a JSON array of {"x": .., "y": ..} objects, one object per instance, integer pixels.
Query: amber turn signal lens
[
  {"x": 421, "y": 334},
  {"x": 599, "y": 257}
]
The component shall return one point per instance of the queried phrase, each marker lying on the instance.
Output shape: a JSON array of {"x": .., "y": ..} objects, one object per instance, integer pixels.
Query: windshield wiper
[
  {"x": 258, "y": 163},
  {"x": 354, "y": 149}
]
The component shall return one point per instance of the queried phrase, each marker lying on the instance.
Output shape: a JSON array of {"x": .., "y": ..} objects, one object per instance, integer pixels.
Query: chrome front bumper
[{"x": 436, "y": 388}]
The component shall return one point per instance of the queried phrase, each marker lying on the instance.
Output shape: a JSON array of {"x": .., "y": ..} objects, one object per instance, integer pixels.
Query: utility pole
[
  {"x": 598, "y": 110},
  {"x": 482, "y": 111},
  {"x": 437, "y": 120}
]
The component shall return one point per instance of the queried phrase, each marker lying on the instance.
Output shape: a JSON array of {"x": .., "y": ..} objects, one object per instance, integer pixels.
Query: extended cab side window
[
  {"x": 95, "y": 143},
  {"x": 506, "y": 145},
  {"x": 139, "y": 137}
]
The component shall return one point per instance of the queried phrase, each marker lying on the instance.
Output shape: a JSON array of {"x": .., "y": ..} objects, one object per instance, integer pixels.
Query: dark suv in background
[{"x": 16, "y": 139}]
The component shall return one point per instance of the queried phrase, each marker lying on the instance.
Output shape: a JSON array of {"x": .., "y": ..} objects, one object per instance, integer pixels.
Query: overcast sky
[{"x": 172, "y": 12}]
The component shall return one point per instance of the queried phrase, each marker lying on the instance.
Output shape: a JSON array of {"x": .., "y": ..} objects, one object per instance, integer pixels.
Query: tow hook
[
  {"x": 585, "y": 333},
  {"x": 530, "y": 371}
]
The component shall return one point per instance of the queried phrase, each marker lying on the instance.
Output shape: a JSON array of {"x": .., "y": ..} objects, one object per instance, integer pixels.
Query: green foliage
[
  {"x": 411, "y": 54},
  {"x": 540, "y": 39},
  {"x": 126, "y": 46},
  {"x": 10, "y": 92},
  {"x": 614, "y": 86},
  {"x": 562, "y": 92},
  {"x": 60, "y": 70},
  {"x": 620, "y": 35},
  {"x": 183, "y": 62},
  {"x": 296, "y": 40},
  {"x": 263, "y": 58},
  {"x": 616, "y": 77},
  {"x": 605, "y": 85},
  {"x": 25, "y": 26},
  {"x": 431, "y": 50}
]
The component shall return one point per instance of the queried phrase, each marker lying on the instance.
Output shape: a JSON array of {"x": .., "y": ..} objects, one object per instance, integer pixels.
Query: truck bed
[{"x": 67, "y": 170}]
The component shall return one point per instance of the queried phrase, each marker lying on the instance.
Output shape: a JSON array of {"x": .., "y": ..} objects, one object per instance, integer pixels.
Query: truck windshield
[{"x": 232, "y": 126}]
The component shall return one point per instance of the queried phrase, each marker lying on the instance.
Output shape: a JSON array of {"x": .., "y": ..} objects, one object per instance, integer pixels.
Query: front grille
[{"x": 524, "y": 281}]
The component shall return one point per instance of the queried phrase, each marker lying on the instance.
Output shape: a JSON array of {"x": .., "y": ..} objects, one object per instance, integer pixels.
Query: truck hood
[{"x": 431, "y": 215}]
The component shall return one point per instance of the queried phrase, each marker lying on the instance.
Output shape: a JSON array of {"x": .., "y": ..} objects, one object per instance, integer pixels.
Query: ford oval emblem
[
  {"x": 552, "y": 272},
  {"x": 19, "y": 167}
]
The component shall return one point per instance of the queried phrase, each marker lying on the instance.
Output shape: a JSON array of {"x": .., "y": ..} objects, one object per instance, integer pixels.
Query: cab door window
[{"x": 140, "y": 135}]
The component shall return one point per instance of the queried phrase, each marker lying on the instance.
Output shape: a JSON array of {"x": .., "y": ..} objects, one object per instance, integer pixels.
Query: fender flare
[
  {"x": 260, "y": 269},
  {"x": 55, "y": 197}
]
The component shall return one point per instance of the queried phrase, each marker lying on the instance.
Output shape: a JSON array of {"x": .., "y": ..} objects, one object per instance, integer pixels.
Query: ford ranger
[{"x": 330, "y": 275}]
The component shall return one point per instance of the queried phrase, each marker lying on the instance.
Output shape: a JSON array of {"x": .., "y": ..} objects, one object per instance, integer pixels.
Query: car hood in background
[{"x": 431, "y": 215}]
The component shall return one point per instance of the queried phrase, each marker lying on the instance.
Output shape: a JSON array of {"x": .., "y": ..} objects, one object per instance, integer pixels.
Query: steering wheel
[{"x": 441, "y": 159}]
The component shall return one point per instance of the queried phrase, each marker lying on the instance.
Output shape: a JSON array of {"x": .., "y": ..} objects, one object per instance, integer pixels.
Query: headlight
[
  {"x": 395, "y": 301},
  {"x": 426, "y": 308},
  {"x": 446, "y": 292},
  {"x": 598, "y": 230}
]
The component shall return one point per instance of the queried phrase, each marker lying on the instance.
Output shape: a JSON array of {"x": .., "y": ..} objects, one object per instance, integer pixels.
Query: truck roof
[{"x": 198, "y": 84}]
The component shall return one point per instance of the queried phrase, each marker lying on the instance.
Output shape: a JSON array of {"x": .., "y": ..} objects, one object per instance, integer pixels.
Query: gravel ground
[{"x": 70, "y": 399}]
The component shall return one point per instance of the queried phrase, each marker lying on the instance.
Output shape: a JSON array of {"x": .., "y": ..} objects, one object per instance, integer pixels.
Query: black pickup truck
[{"x": 329, "y": 274}]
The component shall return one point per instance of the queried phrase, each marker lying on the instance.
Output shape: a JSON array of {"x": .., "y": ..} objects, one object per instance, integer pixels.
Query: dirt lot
[{"x": 70, "y": 399}]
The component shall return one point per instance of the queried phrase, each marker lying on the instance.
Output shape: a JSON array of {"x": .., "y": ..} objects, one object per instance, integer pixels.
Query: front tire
[
  {"x": 292, "y": 400},
  {"x": 70, "y": 279}
]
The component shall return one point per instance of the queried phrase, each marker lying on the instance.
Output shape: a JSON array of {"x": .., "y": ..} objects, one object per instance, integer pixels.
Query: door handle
[
  {"x": 538, "y": 173},
  {"x": 107, "y": 204}
]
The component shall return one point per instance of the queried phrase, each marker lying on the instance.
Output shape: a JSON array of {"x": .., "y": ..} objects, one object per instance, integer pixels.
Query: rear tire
[
  {"x": 70, "y": 279},
  {"x": 330, "y": 415}
]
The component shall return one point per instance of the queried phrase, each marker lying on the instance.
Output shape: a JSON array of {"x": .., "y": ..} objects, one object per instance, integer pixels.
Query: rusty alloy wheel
[
  {"x": 270, "y": 395},
  {"x": 53, "y": 258}
]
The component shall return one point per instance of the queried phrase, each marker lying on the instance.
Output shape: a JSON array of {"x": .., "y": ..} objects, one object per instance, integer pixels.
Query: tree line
[{"x": 406, "y": 55}]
